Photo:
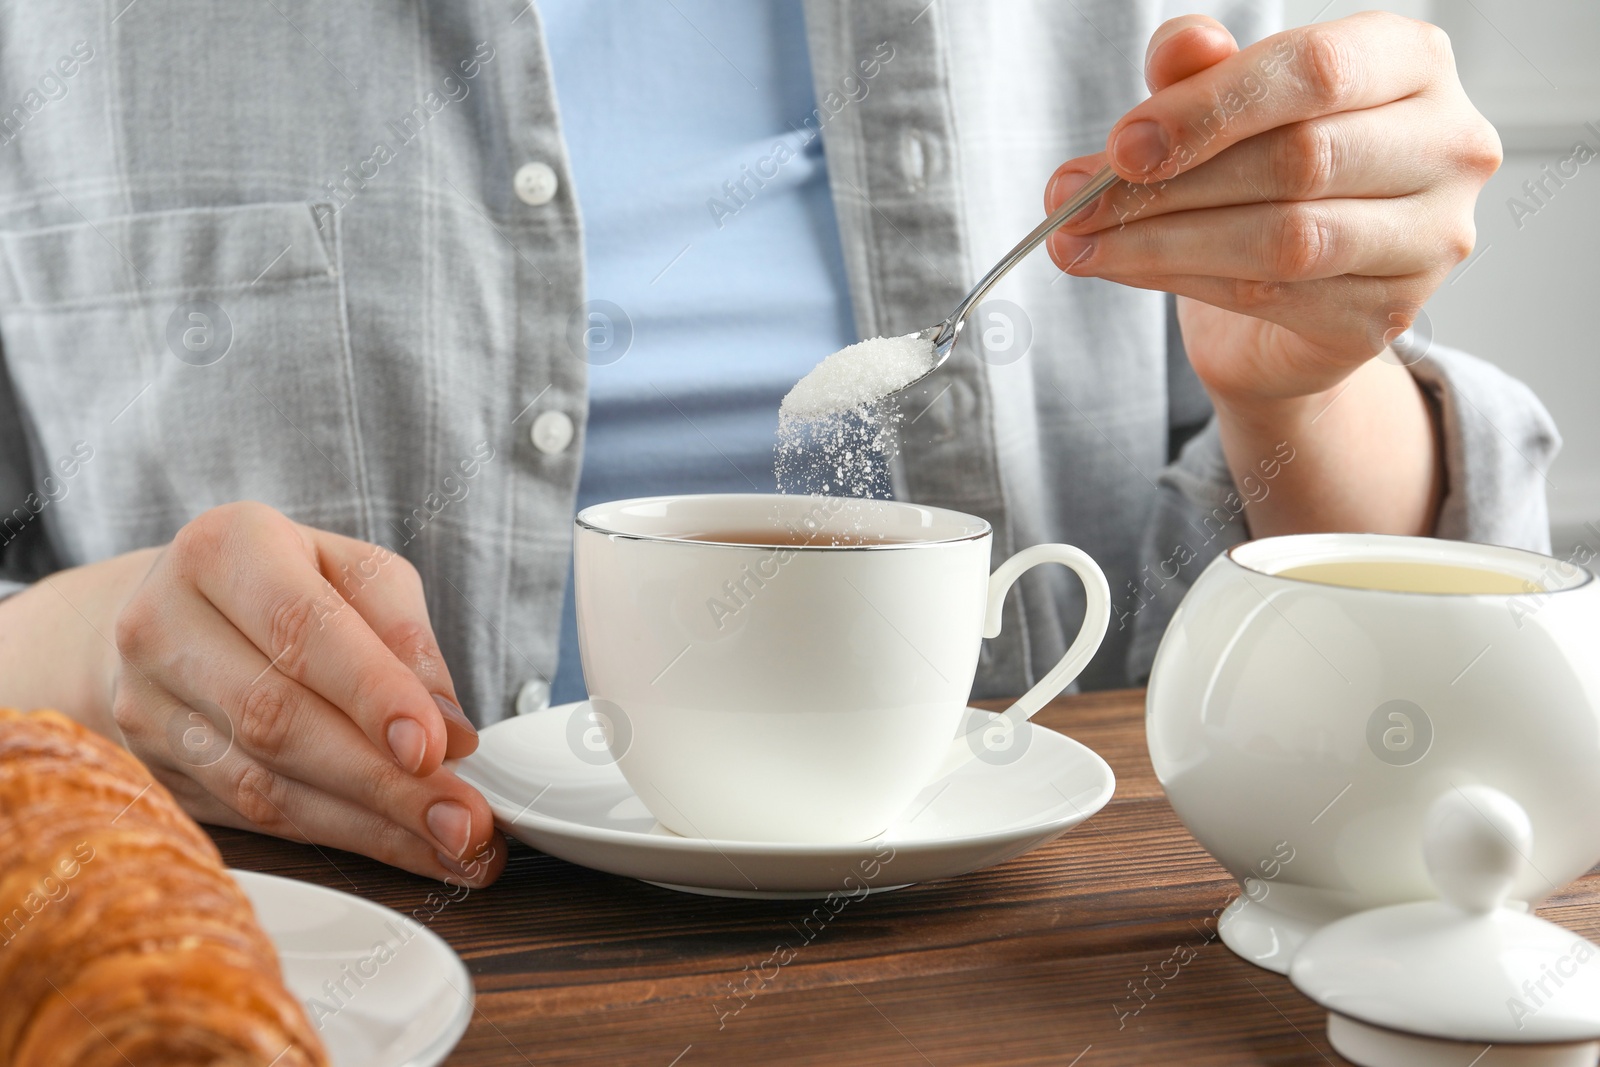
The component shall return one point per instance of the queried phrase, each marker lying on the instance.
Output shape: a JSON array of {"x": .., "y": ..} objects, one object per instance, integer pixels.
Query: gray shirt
[{"x": 327, "y": 256}]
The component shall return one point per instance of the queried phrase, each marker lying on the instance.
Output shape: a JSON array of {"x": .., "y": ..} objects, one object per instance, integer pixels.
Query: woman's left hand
[{"x": 1307, "y": 194}]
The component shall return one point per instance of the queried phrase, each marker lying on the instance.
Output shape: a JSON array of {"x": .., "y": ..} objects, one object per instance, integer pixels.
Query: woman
[{"x": 303, "y": 368}]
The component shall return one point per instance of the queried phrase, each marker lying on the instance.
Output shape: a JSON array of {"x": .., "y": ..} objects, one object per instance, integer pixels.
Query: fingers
[
  {"x": 1340, "y": 156},
  {"x": 1183, "y": 46},
  {"x": 265, "y": 802},
  {"x": 262, "y": 572},
  {"x": 386, "y": 591},
  {"x": 253, "y": 798},
  {"x": 268, "y": 698},
  {"x": 1268, "y": 242},
  {"x": 1316, "y": 70},
  {"x": 277, "y": 724}
]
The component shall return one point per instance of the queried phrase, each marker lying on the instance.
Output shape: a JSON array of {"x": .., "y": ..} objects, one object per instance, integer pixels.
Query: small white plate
[
  {"x": 989, "y": 811},
  {"x": 381, "y": 989}
]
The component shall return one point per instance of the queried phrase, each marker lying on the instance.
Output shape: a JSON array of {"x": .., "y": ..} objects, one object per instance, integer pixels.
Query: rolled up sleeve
[{"x": 1498, "y": 442}]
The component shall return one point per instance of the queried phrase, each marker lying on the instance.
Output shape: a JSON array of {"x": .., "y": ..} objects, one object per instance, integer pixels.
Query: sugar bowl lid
[{"x": 1466, "y": 968}]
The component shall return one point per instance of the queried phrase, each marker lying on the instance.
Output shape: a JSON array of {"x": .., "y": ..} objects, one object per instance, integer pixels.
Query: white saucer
[
  {"x": 984, "y": 813},
  {"x": 406, "y": 997}
]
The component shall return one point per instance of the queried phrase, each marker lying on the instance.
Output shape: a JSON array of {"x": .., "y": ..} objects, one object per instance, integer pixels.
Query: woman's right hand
[{"x": 280, "y": 678}]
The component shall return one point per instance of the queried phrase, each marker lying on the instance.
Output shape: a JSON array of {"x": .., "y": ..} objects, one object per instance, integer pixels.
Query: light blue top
[{"x": 708, "y": 223}]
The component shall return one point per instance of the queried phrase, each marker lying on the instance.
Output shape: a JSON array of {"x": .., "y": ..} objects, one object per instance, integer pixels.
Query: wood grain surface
[{"x": 1030, "y": 962}]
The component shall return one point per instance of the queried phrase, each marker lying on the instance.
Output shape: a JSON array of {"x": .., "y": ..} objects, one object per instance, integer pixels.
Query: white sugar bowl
[{"x": 1314, "y": 694}]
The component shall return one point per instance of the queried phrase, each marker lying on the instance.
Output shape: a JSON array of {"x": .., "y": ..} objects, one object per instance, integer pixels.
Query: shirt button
[
  {"x": 535, "y": 183},
  {"x": 533, "y": 696},
  {"x": 552, "y": 432}
]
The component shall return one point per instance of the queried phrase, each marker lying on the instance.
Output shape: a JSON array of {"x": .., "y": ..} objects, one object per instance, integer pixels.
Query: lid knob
[
  {"x": 1425, "y": 981},
  {"x": 1475, "y": 840}
]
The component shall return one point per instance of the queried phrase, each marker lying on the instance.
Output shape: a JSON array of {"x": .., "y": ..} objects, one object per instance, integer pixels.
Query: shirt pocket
[{"x": 196, "y": 357}]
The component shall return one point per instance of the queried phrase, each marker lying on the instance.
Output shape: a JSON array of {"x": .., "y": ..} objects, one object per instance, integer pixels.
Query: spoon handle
[{"x": 1102, "y": 180}]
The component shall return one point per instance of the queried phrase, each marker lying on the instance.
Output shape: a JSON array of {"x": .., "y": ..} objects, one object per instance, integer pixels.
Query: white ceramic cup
[{"x": 794, "y": 693}]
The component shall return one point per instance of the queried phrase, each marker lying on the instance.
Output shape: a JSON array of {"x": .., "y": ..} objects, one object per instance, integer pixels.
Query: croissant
[{"x": 122, "y": 938}]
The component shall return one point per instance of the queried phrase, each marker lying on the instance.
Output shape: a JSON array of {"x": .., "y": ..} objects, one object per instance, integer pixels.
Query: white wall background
[{"x": 1528, "y": 299}]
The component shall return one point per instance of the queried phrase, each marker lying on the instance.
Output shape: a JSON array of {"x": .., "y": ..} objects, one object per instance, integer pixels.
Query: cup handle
[{"x": 1096, "y": 618}]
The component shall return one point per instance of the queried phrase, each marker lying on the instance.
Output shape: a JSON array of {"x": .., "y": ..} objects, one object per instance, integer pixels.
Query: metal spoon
[{"x": 944, "y": 335}]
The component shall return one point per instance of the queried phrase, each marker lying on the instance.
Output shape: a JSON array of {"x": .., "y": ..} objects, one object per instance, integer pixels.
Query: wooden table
[{"x": 1031, "y": 962}]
